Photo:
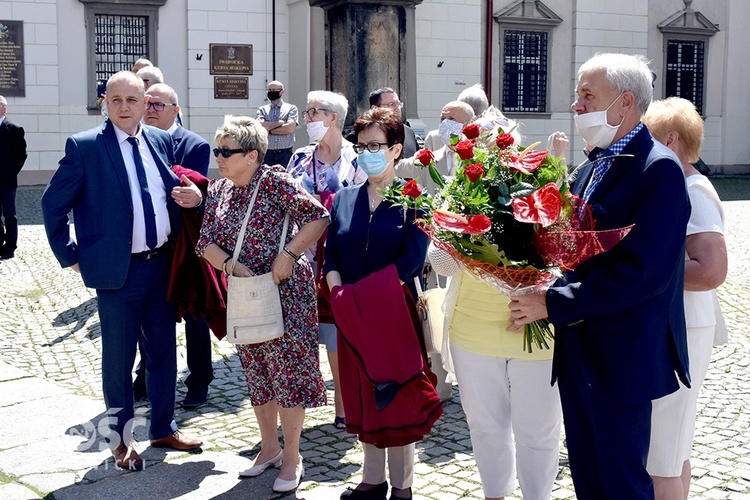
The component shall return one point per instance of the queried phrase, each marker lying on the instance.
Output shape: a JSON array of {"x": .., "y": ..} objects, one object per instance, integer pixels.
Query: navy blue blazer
[
  {"x": 619, "y": 317},
  {"x": 13, "y": 153},
  {"x": 91, "y": 180},
  {"x": 191, "y": 150}
]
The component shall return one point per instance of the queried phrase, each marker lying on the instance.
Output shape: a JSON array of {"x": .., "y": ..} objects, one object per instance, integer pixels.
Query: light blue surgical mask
[{"x": 373, "y": 164}]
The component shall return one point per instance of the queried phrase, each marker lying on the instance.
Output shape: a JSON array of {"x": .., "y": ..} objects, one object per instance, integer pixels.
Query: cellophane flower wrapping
[{"x": 506, "y": 215}]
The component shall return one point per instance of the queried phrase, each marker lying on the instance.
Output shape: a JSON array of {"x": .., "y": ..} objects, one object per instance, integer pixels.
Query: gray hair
[
  {"x": 247, "y": 132},
  {"x": 173, "y": 97},
  {"x": 475, "y": 97},
  {"x": 3, "y": 102},
  {"x": 333, "y": 101},
  {"x": 626, "y": 73},
  {"x": 152, "y": 74}
]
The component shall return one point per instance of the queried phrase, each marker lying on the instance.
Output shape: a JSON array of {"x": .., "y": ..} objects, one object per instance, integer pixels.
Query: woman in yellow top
[{"x": 505, "y": 391}]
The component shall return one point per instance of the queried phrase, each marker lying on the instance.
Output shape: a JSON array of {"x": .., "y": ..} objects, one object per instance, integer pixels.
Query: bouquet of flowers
[{"x": 506, "y": 215}]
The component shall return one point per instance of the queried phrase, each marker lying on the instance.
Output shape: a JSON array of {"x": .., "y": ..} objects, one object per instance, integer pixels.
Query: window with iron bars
[
  {"x": 685, "y": 70},
  {"x": 525, "y": 71},
  {"x": 120, "y": 41}
]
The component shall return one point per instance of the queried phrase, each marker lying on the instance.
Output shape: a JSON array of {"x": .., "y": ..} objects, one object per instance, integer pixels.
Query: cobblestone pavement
[{"x": 49, "y": 327}]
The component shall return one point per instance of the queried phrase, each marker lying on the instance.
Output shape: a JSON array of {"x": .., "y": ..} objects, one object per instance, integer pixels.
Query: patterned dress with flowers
[{"x": 286, "y": 369}]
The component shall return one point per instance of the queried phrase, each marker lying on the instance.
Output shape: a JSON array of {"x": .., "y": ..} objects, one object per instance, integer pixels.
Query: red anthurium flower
[
  {"x": 540, "y": 207},
  {"x": 474, "y": 172},
  {"x": 458, "y": 223},
  {"x": 504, "y": 140},
  {"x": 528, "y": 161},
  {"x": 465, "y": 149},
  {"x": 412, "y": 189},
  {"x": 425, "y": 157},
  {"x": 471, "y": 131}
]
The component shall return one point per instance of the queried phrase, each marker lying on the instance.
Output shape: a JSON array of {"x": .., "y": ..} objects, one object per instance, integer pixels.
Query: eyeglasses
[
  {"x": 372, "y": 147},
  {"x": 393, "y": 105},
  {"x": 158, "y": 106},
  {"x": 311, "y": 112},
  {"x": 226, "y": 152}
]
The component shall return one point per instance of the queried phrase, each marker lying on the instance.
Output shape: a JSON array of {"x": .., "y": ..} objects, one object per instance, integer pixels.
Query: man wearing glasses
[
  {"x": 279, "y": 118},
  {"x": 386, "y": 97},
  {"x": 193, "y": 152}
]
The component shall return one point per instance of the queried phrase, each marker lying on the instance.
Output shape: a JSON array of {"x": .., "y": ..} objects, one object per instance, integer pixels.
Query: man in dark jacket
[{"x": 13, "y": 147}]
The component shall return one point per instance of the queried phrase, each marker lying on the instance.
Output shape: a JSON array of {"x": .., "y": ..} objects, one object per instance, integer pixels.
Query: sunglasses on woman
[{"x": 226, "y": 152}]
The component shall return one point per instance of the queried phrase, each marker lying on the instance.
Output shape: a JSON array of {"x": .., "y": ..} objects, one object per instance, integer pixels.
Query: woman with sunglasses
[
  {"x": 325, "y": 167},
  {"x": 283, "y": 375},
  {"x": 365, "y": 237}
]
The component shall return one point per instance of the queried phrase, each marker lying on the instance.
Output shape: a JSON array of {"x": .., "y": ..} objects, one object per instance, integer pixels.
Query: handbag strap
[{"x": 241, "y": 236}]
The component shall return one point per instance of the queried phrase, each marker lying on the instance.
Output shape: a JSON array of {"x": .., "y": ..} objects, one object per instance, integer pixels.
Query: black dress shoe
[
  {"x": 194, "y": 398},
  {"x": 6, "y": 255},
  {"x": 377, "y": 493},
  {"x": 394, "y": 497}
]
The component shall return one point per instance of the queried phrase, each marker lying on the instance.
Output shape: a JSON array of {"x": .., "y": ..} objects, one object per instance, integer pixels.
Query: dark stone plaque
[
  {"x": 12, "y": 83},
  {"x": 228, "y": 59},
  {"x": 226, "y": 87}
]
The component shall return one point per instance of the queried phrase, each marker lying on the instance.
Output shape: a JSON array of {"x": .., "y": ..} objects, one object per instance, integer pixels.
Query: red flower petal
[
  {"x": 465, "y": 150},
  {"x": 540, "y": 207},
  {"x": 425, "y": 157},
  {"x": 479, "y": 224},
  {"x": 471, "y": 131},
  {"x": 412, "y": 189}
]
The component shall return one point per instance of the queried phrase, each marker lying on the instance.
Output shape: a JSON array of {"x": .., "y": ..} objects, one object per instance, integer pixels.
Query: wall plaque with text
[
  {"x": 226, "y": 87},
  {"x": 12, "y": 82},
  {"x": 228, "y": 59}
]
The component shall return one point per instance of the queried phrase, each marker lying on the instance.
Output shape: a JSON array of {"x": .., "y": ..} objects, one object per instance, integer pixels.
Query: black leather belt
[
  {"x": 286, "y": 150},
  {"x": 149, "y": 254}
]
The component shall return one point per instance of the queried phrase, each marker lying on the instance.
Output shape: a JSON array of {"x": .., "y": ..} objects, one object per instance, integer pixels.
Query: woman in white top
[{"x": 676, "y": 123}]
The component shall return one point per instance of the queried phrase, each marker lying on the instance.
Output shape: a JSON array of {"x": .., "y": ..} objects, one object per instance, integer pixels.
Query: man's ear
[{"x": 628, "y": 101}]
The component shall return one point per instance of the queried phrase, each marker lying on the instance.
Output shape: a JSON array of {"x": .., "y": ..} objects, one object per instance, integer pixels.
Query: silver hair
[
  {"x": 152, "y": 74},
  {"x": 475, "y": 97},
  {"x": 333, "y": 101},
  {"x": 247, "y": 132},
  {"x": 173, "y": 97},
  {"x": 626, "y": 73},
  {"x": 3, "y": 102}
]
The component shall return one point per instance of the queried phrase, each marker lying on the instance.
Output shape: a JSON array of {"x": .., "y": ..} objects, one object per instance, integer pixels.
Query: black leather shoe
[
  {"x": 377, "y": 493},
  {"x": 394, "y": 497},
  {"x": 194, "y": 398}
]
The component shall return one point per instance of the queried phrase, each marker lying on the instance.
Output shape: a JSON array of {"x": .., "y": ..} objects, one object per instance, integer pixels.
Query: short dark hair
[
  {"x": 375, "y": 95},
  {"x": 384, "y": 119}
]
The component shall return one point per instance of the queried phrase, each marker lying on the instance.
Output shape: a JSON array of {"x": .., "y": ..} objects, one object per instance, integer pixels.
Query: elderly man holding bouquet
[{"x": 620, "y": 338}]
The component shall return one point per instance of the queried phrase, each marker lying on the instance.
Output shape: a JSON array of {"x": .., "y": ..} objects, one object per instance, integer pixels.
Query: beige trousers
[{"x": 400, "y": 465}]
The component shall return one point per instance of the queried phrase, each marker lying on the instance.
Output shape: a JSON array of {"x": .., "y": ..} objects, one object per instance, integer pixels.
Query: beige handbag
[
  {"x": 430, "y": 309},
  {"x": 253, "y": 303}
]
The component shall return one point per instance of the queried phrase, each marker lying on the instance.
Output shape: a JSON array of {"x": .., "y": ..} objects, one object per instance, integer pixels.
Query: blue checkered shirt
[{"x": 603, "y": 159}]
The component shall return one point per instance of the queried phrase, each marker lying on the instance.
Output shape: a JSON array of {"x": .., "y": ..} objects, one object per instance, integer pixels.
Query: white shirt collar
[
  {"x": 122, "y": 136},
  {"x": 171, "y": 129}
]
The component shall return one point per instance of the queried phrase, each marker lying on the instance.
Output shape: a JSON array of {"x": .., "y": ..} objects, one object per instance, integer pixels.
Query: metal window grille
[
  {"x": 525, "y": 71},
  {"x": 120, "y": 41},
  {"x": 685, "y": 70}
]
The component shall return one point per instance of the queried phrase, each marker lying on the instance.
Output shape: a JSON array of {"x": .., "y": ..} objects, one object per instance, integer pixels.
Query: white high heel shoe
[
  {"x": 282, "y": 486},
  {"x": 258, "y": 469}
]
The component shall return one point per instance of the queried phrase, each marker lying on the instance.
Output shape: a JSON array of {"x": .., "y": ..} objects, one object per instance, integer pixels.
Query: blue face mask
[{"x": 373, "y": 164}]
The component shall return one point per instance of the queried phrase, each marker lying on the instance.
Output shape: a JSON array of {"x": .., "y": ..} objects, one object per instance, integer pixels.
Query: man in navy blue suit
[
  {"x": 13, "y": 156},
  {"x": 619, "y": 320},
  {"x": 117, "y": 181},
  {"x": 191, "y": 151}
]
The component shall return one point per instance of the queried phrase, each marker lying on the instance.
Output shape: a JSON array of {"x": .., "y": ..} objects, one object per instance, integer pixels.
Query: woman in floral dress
[{"x": 283, "y": 375}]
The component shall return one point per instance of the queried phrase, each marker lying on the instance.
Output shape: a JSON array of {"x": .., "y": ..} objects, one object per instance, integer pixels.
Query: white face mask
[
  {"x": 448, "y": 127},
  {"x": 316, "y": 130},
  {"x": 594, "y": 128}
]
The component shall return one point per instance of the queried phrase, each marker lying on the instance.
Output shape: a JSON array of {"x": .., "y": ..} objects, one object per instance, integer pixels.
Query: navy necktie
[{"x": 148, "y": 207}]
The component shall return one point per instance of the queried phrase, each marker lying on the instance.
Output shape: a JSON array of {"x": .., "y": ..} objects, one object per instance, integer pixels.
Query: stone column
[{"x": 371, "y": 45}]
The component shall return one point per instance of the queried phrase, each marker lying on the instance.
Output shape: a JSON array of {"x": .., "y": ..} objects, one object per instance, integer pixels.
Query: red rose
[
  {"x": 412, "y": 189},
  {"x": 474, "y": 172},
  {"x": 465, "y": 149},
  {"x": 504, "y": 140},
  {"x": 479, "y": 224},
  {"x": 471, "y": 131},
  {"x": 425, "y": 157}
]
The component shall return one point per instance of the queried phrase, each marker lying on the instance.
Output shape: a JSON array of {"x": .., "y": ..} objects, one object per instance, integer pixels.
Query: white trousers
[
  {"x": 503, "y": 398},
  {"x": 400, "y": 465}
]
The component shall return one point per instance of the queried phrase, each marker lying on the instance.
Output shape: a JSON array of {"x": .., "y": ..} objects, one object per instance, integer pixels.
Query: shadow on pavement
[{"x": 78, "y": 315}]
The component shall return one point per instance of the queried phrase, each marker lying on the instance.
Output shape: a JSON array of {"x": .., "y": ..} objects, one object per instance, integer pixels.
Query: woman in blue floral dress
[{"x": 283, "y": 375}]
